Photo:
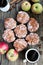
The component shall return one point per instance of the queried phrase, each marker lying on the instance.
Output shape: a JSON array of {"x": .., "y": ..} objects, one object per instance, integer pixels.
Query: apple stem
[{"x": 26, "y": 4}]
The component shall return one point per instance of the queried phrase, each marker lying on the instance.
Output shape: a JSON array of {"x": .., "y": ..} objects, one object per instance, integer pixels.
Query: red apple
[
  {"x": 12, "y": 55},
  {"x": 3, "y": 47}
]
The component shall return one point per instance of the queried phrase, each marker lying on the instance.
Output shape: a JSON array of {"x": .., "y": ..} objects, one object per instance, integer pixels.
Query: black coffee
[
  {"x": 32, "y": 55},
  {"x": 3, "y": 3}
]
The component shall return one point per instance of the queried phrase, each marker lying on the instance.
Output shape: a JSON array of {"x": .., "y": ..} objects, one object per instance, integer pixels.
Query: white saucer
[{"x": 6, "y": 8}]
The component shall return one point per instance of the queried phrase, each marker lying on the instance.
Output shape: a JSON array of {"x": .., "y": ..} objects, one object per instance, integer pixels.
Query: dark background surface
[{"x": 13, "y": 13}]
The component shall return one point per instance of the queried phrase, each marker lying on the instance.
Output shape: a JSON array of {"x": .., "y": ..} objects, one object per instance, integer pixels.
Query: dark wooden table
[{"x": 12, "y": 13}]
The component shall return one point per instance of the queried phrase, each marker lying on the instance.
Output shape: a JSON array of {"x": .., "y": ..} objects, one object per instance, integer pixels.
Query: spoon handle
[{"x": 35, "y": 64}]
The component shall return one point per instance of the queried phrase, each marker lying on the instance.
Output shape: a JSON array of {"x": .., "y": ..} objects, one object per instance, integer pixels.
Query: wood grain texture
[{"x": 12, "y": 13}]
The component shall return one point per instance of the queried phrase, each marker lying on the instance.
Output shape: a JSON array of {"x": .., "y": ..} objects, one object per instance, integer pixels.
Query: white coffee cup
[
  {"x": 26, "y": 58},
  {"x": 6, "y": 8}
]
